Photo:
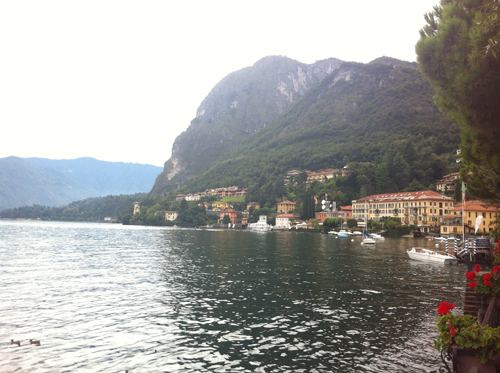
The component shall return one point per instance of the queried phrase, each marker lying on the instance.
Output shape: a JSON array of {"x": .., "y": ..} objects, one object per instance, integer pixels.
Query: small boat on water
[
  {"x": 341, "y": 233},
  {"x": 368, "y": 240},
  {"x": 426, "y": 255}
]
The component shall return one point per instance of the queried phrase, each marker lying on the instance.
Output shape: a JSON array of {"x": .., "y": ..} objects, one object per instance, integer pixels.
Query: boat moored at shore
[{"x": 426, "y": 255}]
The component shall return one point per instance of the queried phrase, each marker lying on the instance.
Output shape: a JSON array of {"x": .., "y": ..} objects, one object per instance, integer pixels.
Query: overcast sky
[{"x": 120, "y": 80}]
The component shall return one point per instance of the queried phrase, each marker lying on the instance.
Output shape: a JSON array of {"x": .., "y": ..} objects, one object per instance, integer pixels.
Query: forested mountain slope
[
  {"x": 381, "y": 112},
  {"x": 242, "y": 103}
]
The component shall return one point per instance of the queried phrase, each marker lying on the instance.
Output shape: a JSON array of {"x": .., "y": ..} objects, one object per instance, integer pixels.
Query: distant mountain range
[
  {"x": 280, "y": 114},
  {"x": 48, "y": 182}
]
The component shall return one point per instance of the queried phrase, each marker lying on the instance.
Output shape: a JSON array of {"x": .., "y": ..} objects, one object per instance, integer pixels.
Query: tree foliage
[
  {"x": 90, "y": 209},
  {"x": 457, "y": 54}
]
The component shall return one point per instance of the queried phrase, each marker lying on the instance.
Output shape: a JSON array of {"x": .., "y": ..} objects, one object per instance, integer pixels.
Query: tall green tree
[{"x": 456, "y": 53}]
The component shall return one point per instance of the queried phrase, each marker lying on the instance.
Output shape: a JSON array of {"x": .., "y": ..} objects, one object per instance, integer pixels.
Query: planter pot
[{"x": 465, "y": 358}]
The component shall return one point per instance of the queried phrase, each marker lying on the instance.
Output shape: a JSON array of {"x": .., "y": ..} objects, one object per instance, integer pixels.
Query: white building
[
  {"x": 283, "y": 221},
  {"x": 171, "y": 215}
]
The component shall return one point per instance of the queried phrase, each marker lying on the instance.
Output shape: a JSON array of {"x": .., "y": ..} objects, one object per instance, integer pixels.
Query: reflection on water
[{"x": 108, "y": 298}]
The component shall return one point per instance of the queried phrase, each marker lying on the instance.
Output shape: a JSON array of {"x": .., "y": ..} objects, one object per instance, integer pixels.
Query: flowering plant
[
  {"x": 466, "y": 332},
  {"x": 496, "y": 260},
  {"x": 488, "y": 283}
]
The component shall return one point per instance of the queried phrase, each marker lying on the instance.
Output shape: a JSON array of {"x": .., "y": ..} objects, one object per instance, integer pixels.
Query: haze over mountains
[
  {"x": 48, "y": 182},
  {"x": 263, "y": 120},
  {"x": 281, "y": 114}
]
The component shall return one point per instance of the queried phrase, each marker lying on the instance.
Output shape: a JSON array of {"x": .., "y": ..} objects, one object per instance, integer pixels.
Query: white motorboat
[
  {"x": 261, "y": 225},
  {"x": 343, "y": 232},
  {"x": 377, "y": 236},
  {"x": 426, "y": 255},
  {"x": 357, "y": 233},
  {"x": 367, "y": 240},
  {"x": 440, "y": 238}
]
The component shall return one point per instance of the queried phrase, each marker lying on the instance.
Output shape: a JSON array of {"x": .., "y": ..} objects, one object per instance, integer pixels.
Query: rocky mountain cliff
[
  {"x": 381, "y": 113},
  {"x": 241, "y": 104}
]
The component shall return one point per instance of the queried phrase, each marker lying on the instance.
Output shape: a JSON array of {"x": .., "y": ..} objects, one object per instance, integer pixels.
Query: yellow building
[
  {"x": 255, "y": 205},
  {"x": 472, "y": 211},
  {"x": 425, "y": 209},
  {"x": 220, "y": 205},
  {"x": 286, "y": 206}
]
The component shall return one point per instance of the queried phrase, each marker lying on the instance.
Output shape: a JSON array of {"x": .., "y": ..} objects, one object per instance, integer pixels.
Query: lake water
[{"x": 111, "y": 298}]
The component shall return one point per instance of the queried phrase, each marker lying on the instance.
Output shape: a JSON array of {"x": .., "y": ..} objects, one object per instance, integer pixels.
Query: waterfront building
[
  {"x": 233, "y": 215},
  {"x": 426, "y": 209},
  {"x": 322, "y": 215},
  {"x": 171, "y": 215},
  {"x": 283, "y": 221},
  {"x": 345, "y": 212},
  {"x": 472, "y": 211}
]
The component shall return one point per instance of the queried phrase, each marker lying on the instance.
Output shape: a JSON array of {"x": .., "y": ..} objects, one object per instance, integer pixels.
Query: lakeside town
[{"x": 427, "y": 212}]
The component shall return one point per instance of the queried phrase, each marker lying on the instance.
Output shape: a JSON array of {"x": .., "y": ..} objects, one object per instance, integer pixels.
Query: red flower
[
  {"x": 472, "y": 285},
  {"x": 487, "y": 283},
  {"x": 496, "y": 269},
  {"x": 477, "y": 268},
  {"x": 470, "y": 275},
  {"x": 453, "y": 332},
  {"x": 445, "y": 307},
  {"x": 487, "y": 277}
]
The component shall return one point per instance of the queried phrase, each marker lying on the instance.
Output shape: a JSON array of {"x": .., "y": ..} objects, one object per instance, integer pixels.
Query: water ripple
[{"x": 108, "y": 298}]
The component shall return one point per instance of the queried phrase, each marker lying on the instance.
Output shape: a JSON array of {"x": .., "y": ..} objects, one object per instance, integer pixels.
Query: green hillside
[
  {"x": 89, "y": 209},
  {"x": 382, "y": 113}
]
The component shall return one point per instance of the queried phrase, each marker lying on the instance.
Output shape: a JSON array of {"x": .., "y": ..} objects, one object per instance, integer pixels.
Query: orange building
[
  {"x": 233, "y": 215},
  {"x": 345, "y": 212}
]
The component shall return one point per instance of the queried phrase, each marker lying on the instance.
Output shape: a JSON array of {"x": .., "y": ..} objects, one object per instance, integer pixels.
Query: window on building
[{"x": 445, "y": 229}]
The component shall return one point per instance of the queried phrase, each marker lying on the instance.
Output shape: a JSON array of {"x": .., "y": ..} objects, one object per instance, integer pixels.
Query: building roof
[
  {"x": 346, "y": 208},
  {"x": 290, "y": 216},
  {"x": 476, "y": 205},
  {"x": 286, "y": 203},
  {"x": 228, "y": 211},
  {"x": 405, "y": 196}
]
